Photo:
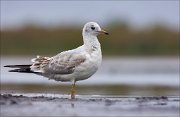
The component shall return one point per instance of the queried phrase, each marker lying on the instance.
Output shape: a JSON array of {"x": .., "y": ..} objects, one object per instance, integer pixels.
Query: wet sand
[{"x": 88, "y": 105}]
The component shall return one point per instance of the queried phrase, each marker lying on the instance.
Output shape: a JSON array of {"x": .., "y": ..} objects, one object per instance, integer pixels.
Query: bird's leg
[{"x": 73, "y": 90}]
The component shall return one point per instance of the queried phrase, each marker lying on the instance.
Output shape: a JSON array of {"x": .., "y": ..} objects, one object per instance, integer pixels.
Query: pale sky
[{"x": 53, "y": 13}]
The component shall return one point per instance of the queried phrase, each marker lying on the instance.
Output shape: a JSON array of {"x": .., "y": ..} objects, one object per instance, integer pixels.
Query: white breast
[
  {"x": 90, "y": 66},
  {"x": 84, "y": 70}
]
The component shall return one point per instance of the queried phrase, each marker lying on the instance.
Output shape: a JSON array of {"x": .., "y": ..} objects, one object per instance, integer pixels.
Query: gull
[{"x": 71, "y": 65}]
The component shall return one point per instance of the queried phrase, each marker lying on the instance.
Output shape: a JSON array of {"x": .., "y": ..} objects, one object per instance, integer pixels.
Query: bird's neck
[{"x": 91, "y": 42}]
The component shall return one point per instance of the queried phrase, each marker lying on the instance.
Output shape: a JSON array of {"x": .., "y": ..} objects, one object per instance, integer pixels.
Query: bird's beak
[{"x": 103, "y": 32}]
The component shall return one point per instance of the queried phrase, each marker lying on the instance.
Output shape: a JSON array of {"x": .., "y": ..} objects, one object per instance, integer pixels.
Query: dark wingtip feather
[
  {"x": 14, "y": 70},
  {"x": 18, "y": 66},
  {"x": 21, "y": 68},
  {"x": 7, "y": 66}
]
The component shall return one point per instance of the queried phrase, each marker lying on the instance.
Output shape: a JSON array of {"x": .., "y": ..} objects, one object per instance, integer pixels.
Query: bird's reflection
[{"x": 72, "y": 102}]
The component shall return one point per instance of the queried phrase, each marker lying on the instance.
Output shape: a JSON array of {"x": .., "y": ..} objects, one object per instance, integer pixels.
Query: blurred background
[{"x": 140, "y": 56}]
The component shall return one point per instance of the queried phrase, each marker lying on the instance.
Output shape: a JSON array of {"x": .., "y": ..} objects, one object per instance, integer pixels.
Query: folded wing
[{"x": 63, "y": 63}]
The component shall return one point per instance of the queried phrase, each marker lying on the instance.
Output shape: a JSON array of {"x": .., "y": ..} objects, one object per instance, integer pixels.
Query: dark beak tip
[{"x": 107, "y": 33}]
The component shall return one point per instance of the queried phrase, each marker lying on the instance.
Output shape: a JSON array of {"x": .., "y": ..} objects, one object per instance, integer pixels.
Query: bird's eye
[{"x": 92, "y": 27}]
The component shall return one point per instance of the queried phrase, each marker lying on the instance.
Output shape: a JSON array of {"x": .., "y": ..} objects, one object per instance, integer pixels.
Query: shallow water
[
  {"x": 124, "y": 86},
  {"x": 88, "y": 105}
]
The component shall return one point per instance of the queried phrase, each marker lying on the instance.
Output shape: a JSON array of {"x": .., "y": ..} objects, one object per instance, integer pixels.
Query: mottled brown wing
[
  {"x": 64, "y": 63},
  {"x": 39, "y": 63}
]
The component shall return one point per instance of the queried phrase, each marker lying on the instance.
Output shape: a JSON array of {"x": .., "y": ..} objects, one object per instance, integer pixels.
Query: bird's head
[{"x": 93, "y": 28}]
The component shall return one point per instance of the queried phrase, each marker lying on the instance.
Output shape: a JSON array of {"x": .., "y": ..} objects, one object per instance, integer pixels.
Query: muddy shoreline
[{"x": 88, "y": 105}]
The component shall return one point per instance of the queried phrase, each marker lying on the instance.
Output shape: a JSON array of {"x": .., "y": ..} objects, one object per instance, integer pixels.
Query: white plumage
[{"x": 72, "y": 65}]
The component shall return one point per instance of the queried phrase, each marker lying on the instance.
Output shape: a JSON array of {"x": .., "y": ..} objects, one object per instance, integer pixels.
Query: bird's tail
[{"x": 20, "y": 68}]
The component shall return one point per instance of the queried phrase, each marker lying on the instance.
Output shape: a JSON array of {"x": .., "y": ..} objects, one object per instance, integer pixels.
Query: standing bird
[{"x": 72, "y": 65}]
